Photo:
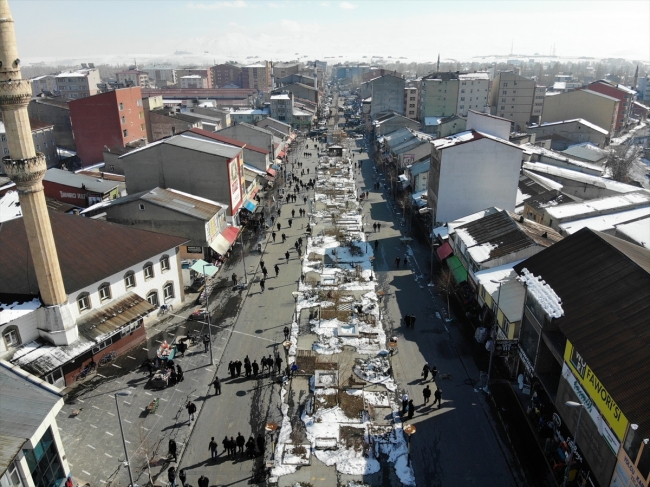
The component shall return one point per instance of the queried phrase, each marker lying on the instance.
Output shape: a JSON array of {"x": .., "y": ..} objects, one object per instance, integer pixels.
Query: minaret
[
  {"x": 636, "y": 78},
  {"x": 26, "y": 168},
  {"x": 438, "y": 65}
]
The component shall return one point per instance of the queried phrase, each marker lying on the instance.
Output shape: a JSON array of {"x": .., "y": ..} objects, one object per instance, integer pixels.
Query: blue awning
[
  {"x": 275, "y": 166},
  {"x": 250, "y": 205}
]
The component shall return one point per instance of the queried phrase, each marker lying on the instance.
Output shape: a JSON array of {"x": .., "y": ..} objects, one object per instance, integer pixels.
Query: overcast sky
[{"x": 277, "y": 30}]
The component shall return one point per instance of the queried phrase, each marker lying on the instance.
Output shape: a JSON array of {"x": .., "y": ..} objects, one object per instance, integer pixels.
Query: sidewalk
[{"x": 92, "y": 438}]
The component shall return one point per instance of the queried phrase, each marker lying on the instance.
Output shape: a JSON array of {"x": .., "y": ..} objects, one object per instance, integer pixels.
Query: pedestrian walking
[
  {"x": 407, "y": 320},
  {"x": 376, "y": 245},
  {"x": 406, "y": 261},
  {"x": 425, "y": 371},
  {"x": 279, "y": 226},
  {"x": 304, "y": 199},
  {"x": 411, "y": 409},
  {"x": 241, "y": 441},
  {"x": 234, "y": 279},
  {"x": 278, "y": 363},
  {"x": 412, "y": 322},
  {"x": 191, "y": 410},
  {"x": 286, "y": 333},
  {"x": 302, "y": 277},
  {"x": 238, "y": 367},
  {"x": 276, "y": 268},
  {"x": 293, "y": 214},
  {"x": 437, "y": 397},
  {"x": 286, "y": 254},
  {"x": 294, "y": 369},
  {"x": 434, "y": 372},
  {"x": 256, "y": 368},
  {"x": 374, "y": 226},
  {"x": 289, "y": 222},
  {"x": 232, "y": 369},
  {"x": 262, "y": 283},
  {"x": 212, "y": 446},
  {"x": 226, "y": 446},
  {"x": 273, "y": 236},
  {"x": 203, "y": 481},
  {"x": 250, "y": 447},
  {"x": 272, "y": 220},
  {"x": 397, "y": 259},
  {"x": 182, "y": 477},
  {"x": 427, "y": 394},
  {"x": 265, "y": 272},
  {"x": 261, "y": 443},
  {"x": 179, "y": 374},
  {"x": 405, "y": 402},
  {"x": 171, "y": 476},
  {"x": 233, "y": 447},
  {"x": 217, "y": 386},
  {"x": 206, "y": 343},
  {"x": 248, "y": 368},
  {"x": 284, "y": 238},
  {"x": 172, "y": 449},
  {"x": 378, "y": 227}
]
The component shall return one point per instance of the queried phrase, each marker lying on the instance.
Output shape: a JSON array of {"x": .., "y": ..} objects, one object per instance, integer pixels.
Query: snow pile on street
[
  {"x": 376, "y": 371},
  {"x": 543, "y": 293}
]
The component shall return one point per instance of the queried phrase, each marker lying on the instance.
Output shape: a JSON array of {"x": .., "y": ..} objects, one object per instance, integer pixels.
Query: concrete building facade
[
  {"x": 109, "y": 119},
  {"x": 576, "y": 131},
  {"x": 161, "y": 75},
  {"x": 438, "y": 95},
  {"x": 387, "y": 94},
  {"x": 411, "y": 102},
  {"x": 625, "y": 97},
  {"x": 55, "y": 112},
  {"x": 257, "y": 76},
  {"x": 512, "y": 96},
  {"x": 597, "y": 108},
  {"x": 133, "y": 77},
  {"x": 226, "y": 74},
  {"x": 473, "y": 92},
  {"x": 193, "y": 81},
  {"x": 44, "y": 141},
  {"x": 78, "y": 84}
]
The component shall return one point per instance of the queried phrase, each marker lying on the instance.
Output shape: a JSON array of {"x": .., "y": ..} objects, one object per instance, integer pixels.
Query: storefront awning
[
  {"x": 444, "y": 251},
  {"x": 271, "y": 171},
  {"x": 204, "y": 268},
  {"x": 275, "y": 166},
  {"x": 113, "y": 316},
  {"x": 250, "y": 205},
  {"x": 457, "y": 269},
  {"x": 222, "y": 243},
  {"x": 282, "y": 154}
]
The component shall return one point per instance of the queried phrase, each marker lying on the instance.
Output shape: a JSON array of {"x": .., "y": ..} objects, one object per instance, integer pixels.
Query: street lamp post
[
  {"x": 410, "y": 430},
  {"x": 207, "y": 312},
  {"x": 119, "y": 419},
  {"x": 270, "y": 428},
  {"x": 572, "y": 404},
  {"x": 494, "y": 335}
]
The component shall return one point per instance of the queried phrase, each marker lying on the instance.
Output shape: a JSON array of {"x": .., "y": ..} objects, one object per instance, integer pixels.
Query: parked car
[{"x": 199, "y": 315}]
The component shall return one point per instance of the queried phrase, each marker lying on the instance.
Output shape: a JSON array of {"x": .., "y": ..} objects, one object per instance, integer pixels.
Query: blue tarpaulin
[{"x": 250, "y": 205}]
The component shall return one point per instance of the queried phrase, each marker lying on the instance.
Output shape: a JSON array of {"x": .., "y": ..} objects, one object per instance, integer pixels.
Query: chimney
[{"x": 26, "y": 168}]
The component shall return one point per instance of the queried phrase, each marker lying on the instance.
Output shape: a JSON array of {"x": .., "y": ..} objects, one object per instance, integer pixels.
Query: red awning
[
  {"x": 282, "y": 154},
  {"x": 444, "y": 251},
  {"x": 271, "y": 171},
  {"x": 224, "y": 240}
]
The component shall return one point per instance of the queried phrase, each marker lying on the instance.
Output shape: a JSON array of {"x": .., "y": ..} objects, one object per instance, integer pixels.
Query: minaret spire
[
  {"x": 26, "y": 168},
  {"x": 438, "y": 65}
]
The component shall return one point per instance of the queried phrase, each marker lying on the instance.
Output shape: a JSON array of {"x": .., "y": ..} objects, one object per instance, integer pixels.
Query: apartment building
[
  {"x": 43, "y": 84},
  {"x": 438, "y": 95},
  {"x": 623, "y": 94},
  {"x": 512, "y": 96},
  {"x": 411, "y": 102},
  {"x": 202, "y": 72},
  {"x": 226, "y": 74},
  {"x": 44, "y": 141},
  {"x": 257, "y": 76},
  {"x": 281, "y": 70},
  {"x": 133, "y": 77},
  {"x": 78, "y": 84},
  {"x": 161, "y": 75},
  {"x": 387, "y": 94},
  {"x": 597, "y": 108},
  {"x": 193, "y": 81},
  {"x": 111, "y": 119},
  {"x": 473, "y": 92}
]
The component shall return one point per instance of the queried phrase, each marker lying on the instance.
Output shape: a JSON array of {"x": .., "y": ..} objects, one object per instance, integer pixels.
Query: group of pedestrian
[
  {"x": 409, "y": 321},
  {"x": 234, "y": 447},
  {"x": 376, "y": 226}
]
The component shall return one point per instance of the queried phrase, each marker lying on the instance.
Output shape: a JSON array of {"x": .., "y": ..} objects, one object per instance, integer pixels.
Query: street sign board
[{"x": 504, "y": 348}]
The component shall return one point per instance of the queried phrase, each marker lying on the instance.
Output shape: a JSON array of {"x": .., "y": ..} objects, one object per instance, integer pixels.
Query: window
[
  {"x": 505, "y": 85},
  {"x": 121, "y": 106},
  {"x": 12, "y": 339},
  {"x": 123, "y": 119},
  {"x": 141, "y": 115},
  {"x": 129, "y": 280},
  {"x": 102, "y": 345},
  {"x": 45, "y": 145},
  {"x": 142, "y": 206},
  {"x": 168, "y": 291},
  {"x": 462, "y": 91},
  {"x": 44, "y": 463},
  {"x": 11, "y": 478},
  {"x": 503, "y": 108},
  {"x": 148, "y": 271},
  {"x": 462, "y": 98},
  {"x": 130, "y": 328},
  {"x": 139, "y": 103},
  {"x": 6, "y": 151},
  {"x": 164, "y": 263},
  {"x": 83, "y": 302},
  {"x": 152, "y": 297},
  {"x": 505, "y": 92},
  {"x": 105, "y": 292},
  {"x": 125, "y": 132}
]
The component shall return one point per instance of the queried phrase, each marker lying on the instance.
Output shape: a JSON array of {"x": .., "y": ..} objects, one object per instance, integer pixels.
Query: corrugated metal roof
[
  {"x": 113, "y": 316},
  {"x": 39, "y": 357},
  {"x": 604, "y": 285},
  {"x": 73, "y": 180},
  {"x": 182, "y": 202},
  {"x": 202, "y": 145},
  {"x": 89, "y": 251},
  {"x": 23, "y": 407}
]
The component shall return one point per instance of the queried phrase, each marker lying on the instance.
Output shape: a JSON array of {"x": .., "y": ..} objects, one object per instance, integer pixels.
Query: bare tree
[
  {"x": 446, "y": 285},
  {"x": 620, "y": 160}
]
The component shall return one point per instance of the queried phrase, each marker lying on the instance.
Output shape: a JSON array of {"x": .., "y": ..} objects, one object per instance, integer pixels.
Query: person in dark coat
[
  {"x": 217, "y": 386},
  {"x": 265, "y": 272},
  {"x": 250, "y": 447},
  {"x": 171, "y": 476},
  {"x": 181, "y": 347},
  {"x": 276, "y": 268},
  {"x": 231, "y": 369},
  {"x": 376, "y": 244},
  {"x": 427, "y": 394},
  {"x": 256, "y": 368},
  {"x": 247, "y": 367},
  {"x": 203, "y": 481},
  {"x": 183, "y": 477},
  {"x": 226, "y": 446},
  {"x": 279, "y": 226},
  {"x": 397, "y": 260},
  {"x": 405, "y": 402},
  {"x": 150, "y": 365},
  {"x": 286, "y": 333},
  {"x": 425, "y": 371},
  {"x": 261, "y": 442},
  {"x": 412, "y": 322},
  {"x": 206, "y": 343},
  {"x": 173, "y": 376},
  {"x": 278, "y": 363},
  {"x": 262, "y": 283},
  {"x": 437, "y": 397},
  {"x": 241, "y": 441},
  {"x": 238, "y": 367},
  {"x": 286, "y": 254},
  {"x": 411, "y": 409},
  {"x": 233, "y": 447},
  {"x": 191, "y": 410},
  {"x": 284, "y": 238},
  {"x": 212, "y": 446},
  {"x": 179, "y": 373},
  {"x": 290, "y": 221},
  {"x": 172, "y": 449},
  {"x": 407, "y": 320},
  {"x": 434, "y": 372}
]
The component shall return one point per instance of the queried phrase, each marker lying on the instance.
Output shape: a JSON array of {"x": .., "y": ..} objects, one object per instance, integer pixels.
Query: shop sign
[
  {"x": 557, "y": 420},
  {"x": 530, "y": 370},
  {"x": 596, "y": 391},
  {"x": 591, "y": 409},
  {"x": 636, "y": 479},
  {"x": 503, "y": 348}
]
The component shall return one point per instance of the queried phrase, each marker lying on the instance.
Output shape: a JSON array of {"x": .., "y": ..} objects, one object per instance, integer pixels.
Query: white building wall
[
  {"x": 472, "y": 93},
  {"x": 490, "y": 125},
  {"x": 475, "y": 176}
]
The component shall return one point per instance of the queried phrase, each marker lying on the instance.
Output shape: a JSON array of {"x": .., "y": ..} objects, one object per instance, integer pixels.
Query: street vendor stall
[
  {"x": 166, "y": 351},
  {"x": 160, "y": 379}
]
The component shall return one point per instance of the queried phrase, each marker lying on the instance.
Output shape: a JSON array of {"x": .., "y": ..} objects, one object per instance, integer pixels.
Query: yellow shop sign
[{"x": 597, "y": 392}]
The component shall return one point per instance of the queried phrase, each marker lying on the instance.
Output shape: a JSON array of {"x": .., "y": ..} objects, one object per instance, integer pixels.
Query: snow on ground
[{"x": 376, "y": 371}]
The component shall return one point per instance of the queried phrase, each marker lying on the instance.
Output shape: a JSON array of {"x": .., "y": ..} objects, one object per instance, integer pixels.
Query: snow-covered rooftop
[
  {"x": 543, "y": 293},
  {"x": 597, "y": 181},
  {"x": 12, "y": 311},
  {"x": 512, "y": 294}
]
